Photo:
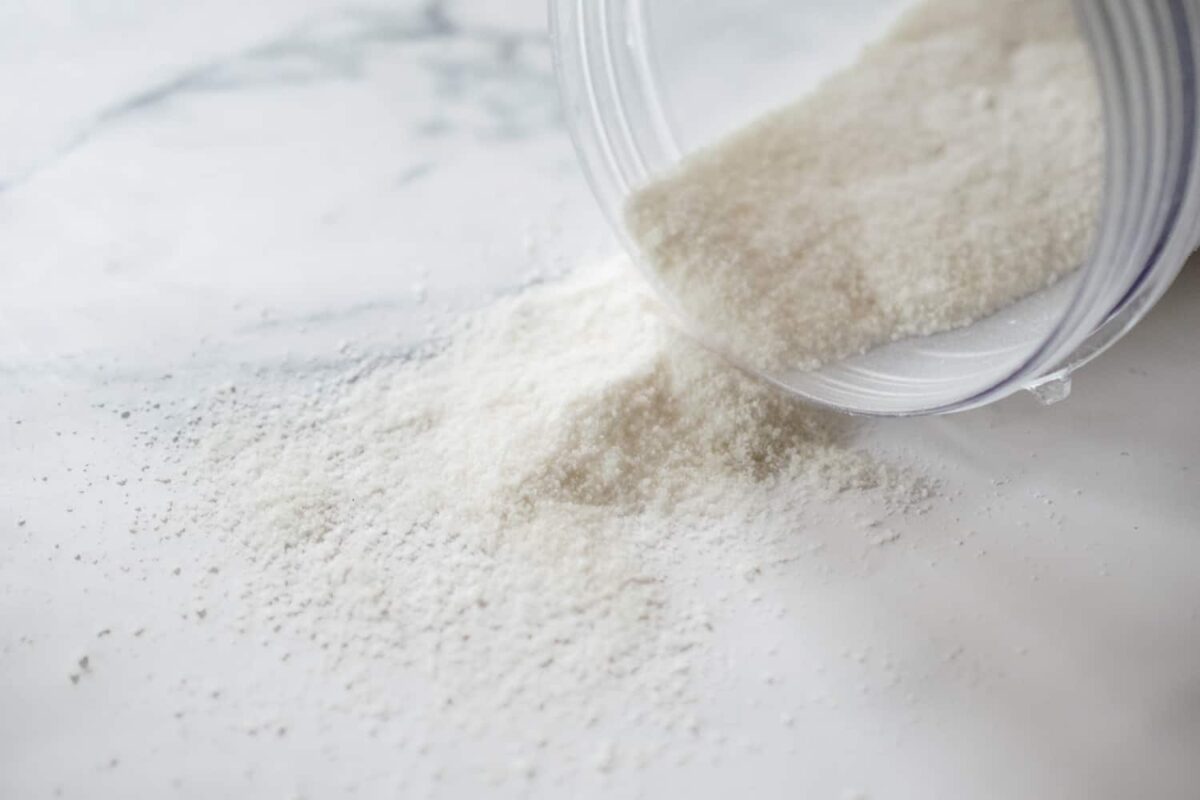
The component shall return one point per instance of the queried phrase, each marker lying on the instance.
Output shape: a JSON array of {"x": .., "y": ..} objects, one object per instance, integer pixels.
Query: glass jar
[{"x": 646, "y": 82}]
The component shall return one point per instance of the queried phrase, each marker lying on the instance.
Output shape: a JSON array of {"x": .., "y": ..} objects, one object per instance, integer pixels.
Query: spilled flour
[
  {"x": 954, "y": 169},
  {"x": 506, "y": 515}
]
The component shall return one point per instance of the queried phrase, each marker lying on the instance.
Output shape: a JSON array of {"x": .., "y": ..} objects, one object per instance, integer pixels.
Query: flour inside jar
[{"x": 952, "y": 170}]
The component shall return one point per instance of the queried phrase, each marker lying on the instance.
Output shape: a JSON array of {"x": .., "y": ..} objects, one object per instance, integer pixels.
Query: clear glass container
[{"x": 646, "y": 82}]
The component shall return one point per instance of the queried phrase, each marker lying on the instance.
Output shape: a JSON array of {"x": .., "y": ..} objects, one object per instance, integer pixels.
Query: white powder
[
  {"x": 507, "y": 516},
  {"x": 954, "y": 169}
]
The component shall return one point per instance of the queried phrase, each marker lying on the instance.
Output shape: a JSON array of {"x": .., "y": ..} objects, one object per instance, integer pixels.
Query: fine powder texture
[
  {"x": 508, "y": 514},
  {"x": 954, "y": 169}
]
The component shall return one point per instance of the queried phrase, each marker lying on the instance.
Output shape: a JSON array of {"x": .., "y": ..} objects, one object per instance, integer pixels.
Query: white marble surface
[{"x": 192, "y": 191}]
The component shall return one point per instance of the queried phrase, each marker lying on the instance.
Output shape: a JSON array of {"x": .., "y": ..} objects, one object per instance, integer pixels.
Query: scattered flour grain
[{"x": 508, "y": 515}]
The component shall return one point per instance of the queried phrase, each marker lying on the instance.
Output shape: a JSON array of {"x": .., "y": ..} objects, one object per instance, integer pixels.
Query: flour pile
[
  {"x": 506, "y": 515},
  {"x": 953, "y": 170}
]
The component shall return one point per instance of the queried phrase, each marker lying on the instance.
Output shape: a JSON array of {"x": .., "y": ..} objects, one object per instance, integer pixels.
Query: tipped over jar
[{"x": 893, "y": 208}]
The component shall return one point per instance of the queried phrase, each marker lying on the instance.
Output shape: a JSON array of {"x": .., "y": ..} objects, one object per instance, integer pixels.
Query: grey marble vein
[{"x": 338, "y": 46}]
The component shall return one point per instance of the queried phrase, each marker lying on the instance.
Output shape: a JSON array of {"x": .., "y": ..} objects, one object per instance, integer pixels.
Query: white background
[{"x": 216, "y": 187}]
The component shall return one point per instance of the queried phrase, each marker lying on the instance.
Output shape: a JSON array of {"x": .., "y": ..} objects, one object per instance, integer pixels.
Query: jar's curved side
[
  {"x": 1176, "y": 42},
  {"x": 1147, "y": 57}
]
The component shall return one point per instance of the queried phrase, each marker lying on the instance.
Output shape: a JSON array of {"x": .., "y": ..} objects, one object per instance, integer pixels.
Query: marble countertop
[{"x": 191, "y": 193}]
